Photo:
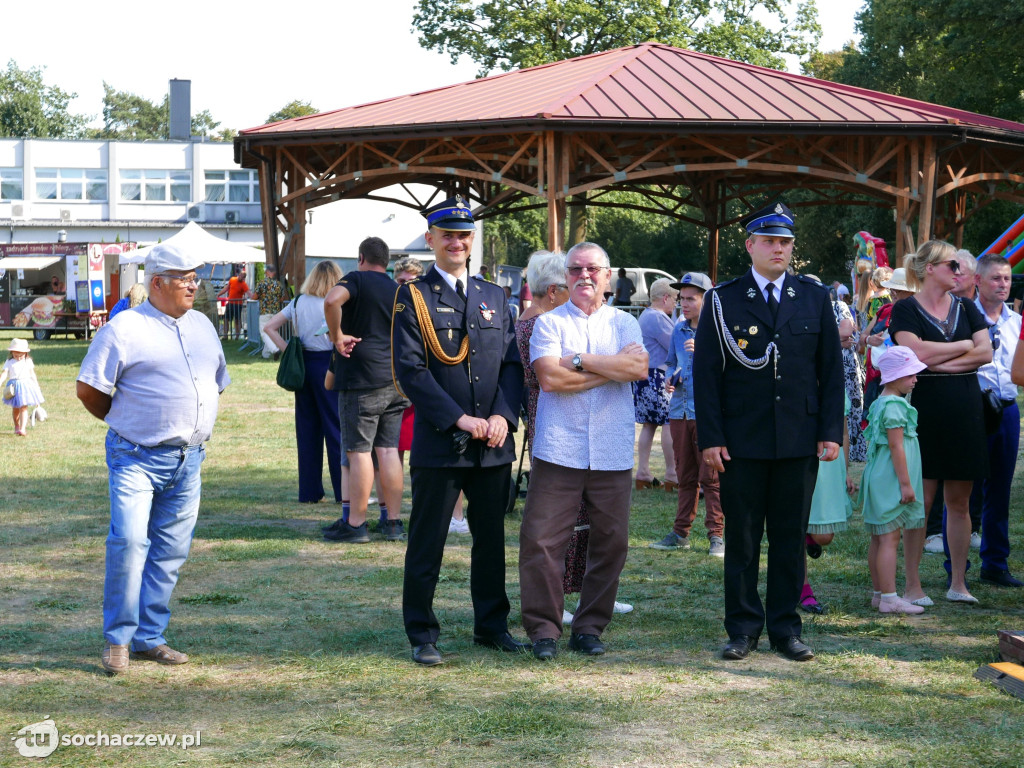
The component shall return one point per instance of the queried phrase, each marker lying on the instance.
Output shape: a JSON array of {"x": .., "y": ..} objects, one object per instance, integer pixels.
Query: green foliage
[
  {"x": 960, "y": 53},
  {"x": 203, "y": 124},
  {"x": 292, "y": 109},
  {"x": 31, "y": 109},
  {"x": 128, "y": 116},
  {"x": 502, "y": 35}
]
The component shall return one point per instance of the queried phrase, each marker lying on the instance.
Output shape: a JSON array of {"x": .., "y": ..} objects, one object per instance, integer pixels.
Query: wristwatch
[{"x": 577, "y": 362}]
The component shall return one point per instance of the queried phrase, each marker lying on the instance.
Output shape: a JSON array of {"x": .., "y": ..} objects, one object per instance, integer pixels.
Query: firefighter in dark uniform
[
  {"x": 455, "y": 357},
  {"x": 768, "y": 383}
]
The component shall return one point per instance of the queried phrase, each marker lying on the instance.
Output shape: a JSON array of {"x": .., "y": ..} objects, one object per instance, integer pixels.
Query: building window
[
  {"x": 232, "y": 187},
  {"x": 150, "y": 186},
  {"x": 12, "y": 185},
  {"x": 71, "y": 184}
]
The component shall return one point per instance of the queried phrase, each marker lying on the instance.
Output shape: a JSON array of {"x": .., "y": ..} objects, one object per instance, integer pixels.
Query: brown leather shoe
[
  {"x": 161, "y": 655},
  {"x": 115, "y": 659},
  {"x": 670, "y": 486},
  {"x": 643, "y": 485}
]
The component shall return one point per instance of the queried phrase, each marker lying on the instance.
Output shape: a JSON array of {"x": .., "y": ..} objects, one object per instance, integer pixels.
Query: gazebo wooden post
[
  {"x": 556, "y": 168},
  {"x": 927, "y": 214},
  {"x": 269, "y": 205},
  {"x": 713, "y": 209}
]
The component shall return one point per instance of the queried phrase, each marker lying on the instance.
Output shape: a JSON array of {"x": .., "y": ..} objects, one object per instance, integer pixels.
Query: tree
[
  {"x": 203, "y": 124},
  {"x": 506, "y": 34},
  {"x": 130, "y": 117},
  {"x": 31, "y": 109},
  {"x": 292, "y": 109},
  {"x": 959, "y": 53}
]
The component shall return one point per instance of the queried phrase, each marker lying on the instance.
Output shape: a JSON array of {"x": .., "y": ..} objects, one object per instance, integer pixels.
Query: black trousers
[
  {"x": 434, "y": 493},
  {"x": 758, "y": 495}
]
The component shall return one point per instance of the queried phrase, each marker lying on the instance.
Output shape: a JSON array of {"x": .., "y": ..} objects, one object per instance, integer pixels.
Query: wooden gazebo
[{"x": 688, "y": 131}]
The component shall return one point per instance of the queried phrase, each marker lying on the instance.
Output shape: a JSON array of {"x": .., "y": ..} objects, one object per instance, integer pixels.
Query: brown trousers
[
  {"x": 691, "y": 469},
  {"x": 548, "y": 521}
]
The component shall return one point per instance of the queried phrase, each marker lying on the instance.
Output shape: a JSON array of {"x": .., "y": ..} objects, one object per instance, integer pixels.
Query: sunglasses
[
  {"x": 577, "y": 271},
  {"x": 953, "y": 264}
]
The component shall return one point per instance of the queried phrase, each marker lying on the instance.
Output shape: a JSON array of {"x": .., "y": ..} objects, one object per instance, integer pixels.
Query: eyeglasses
[
  {"x": 577, "y": 271},
  {"x": 953, "y": 264},
  {"x": 184, "y": 280}
]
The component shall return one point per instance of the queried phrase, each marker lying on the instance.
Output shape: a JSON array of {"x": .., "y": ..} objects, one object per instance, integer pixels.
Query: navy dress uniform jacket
[
  {"x": 489, "y": 381},
  {"x": 769, "y": 413}
]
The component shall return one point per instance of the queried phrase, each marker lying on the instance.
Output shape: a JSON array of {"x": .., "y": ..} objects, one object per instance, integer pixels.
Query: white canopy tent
[{"x": 211, "y": 249}]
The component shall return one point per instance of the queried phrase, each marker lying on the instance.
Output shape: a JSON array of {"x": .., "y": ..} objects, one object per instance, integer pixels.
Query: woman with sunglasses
[{"x": 950, "y": 336}]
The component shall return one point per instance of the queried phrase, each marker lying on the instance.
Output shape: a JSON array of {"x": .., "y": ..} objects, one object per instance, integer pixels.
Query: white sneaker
[
  {"x": 975, "y": 540},
  {"x": 716, "y": 547},
  {"x": 933, "y": 544},
  {"x": 622, "y": 607},
  {"x": 566, "y": 617},
  {"x": 458, "y": 526}
]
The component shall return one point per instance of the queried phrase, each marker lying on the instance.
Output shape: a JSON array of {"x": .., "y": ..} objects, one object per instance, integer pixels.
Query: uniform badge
[
  {"x": 443, "y": 309},
  {"x": 752, "y": 330},
  {"x": 742, "y": 343},
  {"x": 751, "y": 293},
  {"x": 437, "y": 288},
  {"x": 790, "y": 292},
  {"x": 485, "y": 312},
  {"x": 399, "y": 307}
]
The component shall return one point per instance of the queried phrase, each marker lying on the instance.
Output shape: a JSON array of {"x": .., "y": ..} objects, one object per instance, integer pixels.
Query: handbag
[
  {"x": 992, "y": 407},
  {"x": 10, "y": 390},
  {"x": 291, "y": 372}
]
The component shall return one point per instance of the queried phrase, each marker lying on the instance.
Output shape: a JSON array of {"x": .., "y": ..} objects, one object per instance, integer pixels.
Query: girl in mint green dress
[
  {"x": 830, "y": 509},
  {"x": 891, "y": 487}
]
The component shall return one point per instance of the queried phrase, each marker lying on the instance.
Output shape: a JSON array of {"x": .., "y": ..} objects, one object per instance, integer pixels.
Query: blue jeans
[{"x": 154, "y": 503}]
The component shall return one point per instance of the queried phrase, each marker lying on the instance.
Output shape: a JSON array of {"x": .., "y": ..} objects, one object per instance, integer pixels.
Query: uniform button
[
  {"x": 476, "y": 378},
  {"x": 449, "y": 325},
  {"x": 474, "y": 351},
  {"x": 478, "y": 405},
  {"x": 776, "y": 335},
  {"x": 778, "y": 397},
  {"x": 472, "y": 326},
  {"x": 778, "y": 378}
]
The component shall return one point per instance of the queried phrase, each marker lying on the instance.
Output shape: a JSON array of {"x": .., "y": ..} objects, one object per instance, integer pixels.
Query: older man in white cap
[{"x": 154, "y": 374}]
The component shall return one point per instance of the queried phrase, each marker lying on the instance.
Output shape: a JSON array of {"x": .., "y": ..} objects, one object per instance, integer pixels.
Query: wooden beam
[{"x": 925, "y": 221}]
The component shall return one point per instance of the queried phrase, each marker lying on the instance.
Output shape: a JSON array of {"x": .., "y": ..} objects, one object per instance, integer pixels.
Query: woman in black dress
[{"x": 950, "y": 336}]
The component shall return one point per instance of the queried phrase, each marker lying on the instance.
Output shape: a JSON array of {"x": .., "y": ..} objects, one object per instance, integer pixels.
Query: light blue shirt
[
  {"x": 656, "y": 327},
  {"x": 997, "y": 373},
  {"x": 165, "y": 375},
  {"x": 593, "y": 429},
  {"x": 681, "y": 405}
]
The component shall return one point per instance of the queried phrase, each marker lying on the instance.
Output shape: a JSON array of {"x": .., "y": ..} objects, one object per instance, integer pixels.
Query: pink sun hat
[{"x": 899, "y": 362}]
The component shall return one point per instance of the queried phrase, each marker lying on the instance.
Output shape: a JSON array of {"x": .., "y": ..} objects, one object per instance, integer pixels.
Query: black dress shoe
[
  {"x": 793, "y": 649},
  {"x": 545, "y": 649},
  {"x": 589, "y": 645},
  {"x": 1000, "y": 578},
  {"x": 814, "y": 549},
  {"x": 426, "y": 654},
  {"x": 503, "y": 642},
  {"x": 739, "y": 647}
]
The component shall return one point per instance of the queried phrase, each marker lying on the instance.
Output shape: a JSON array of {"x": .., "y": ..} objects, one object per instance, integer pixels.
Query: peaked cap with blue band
[
  {"x": 775, "y": 219},
  {"x": 453, "y": 214}
]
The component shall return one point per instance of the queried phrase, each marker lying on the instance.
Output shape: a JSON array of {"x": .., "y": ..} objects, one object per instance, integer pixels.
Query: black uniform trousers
[
  {"x": 434, "y": 493},
  {"x": 758, "y": 495}
]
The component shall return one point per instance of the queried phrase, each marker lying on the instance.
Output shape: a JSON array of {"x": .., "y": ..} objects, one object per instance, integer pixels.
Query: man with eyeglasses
[
  {"x": 586, "y": 355},
  {"x": 154, "y": 376}
]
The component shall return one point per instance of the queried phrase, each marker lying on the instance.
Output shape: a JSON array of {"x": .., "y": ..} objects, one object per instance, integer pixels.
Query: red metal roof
[{"x": 644, "y": 83}]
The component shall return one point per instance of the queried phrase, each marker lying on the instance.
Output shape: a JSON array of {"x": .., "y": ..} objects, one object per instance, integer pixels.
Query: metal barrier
[{"x": 252, "y": 327}]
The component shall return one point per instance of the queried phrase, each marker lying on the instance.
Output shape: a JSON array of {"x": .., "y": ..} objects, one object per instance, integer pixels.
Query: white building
[{"x": 143, "y": 191}]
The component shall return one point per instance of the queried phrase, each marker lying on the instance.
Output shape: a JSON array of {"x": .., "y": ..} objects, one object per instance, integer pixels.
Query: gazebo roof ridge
[{"x": 648, "y": 81}]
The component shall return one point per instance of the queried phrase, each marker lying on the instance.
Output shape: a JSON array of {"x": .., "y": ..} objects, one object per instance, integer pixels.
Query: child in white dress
[{"x": 19, "y": 385}]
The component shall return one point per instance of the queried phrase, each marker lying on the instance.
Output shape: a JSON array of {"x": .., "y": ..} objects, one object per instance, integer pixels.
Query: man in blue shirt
[{"x": 694, "y": 475}]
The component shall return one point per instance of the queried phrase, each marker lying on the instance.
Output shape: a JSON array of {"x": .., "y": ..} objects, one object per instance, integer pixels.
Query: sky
[{"x": 242, "y": 66}]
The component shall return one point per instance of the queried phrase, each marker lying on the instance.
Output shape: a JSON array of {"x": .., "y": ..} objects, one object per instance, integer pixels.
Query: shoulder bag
[{"x": 291, "y": 373}]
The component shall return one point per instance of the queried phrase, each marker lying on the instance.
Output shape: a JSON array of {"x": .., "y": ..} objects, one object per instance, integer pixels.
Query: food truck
[{"x": 61, "y": 287}]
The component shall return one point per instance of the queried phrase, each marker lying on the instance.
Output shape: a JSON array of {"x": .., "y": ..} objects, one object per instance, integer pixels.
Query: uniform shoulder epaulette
[
  {"x": 484, "y": 280},
  {"x": 416, "y": 279},
  {"x": 810, "y": 281},
  {"x": 727, "y": 282}
]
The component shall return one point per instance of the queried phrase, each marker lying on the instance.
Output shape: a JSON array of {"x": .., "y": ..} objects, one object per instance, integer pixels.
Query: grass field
[{"x": 299, "y": 657}]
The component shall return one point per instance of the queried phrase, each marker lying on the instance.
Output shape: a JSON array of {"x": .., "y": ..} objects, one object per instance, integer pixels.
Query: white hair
[{"x": 543, "y": 270}]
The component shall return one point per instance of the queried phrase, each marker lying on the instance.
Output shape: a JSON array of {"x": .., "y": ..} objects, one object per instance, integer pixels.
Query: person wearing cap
[
  {"x": 154, "y": 375},
  {"x": 454, "y": 356},
  {"x": 992, "y": 496},
  {"x": 892, "y": 489},
  {"x": 768, "y": 378},
  {"x": 694, "y": 475}
]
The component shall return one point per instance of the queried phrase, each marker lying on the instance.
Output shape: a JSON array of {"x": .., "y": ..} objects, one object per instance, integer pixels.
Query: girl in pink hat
[
  {"x": 891, "y": 486},
  {"x": 22, "y": 389}
]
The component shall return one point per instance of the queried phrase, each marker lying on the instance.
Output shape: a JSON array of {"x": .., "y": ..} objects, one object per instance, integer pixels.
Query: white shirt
[
  {"x": 997, "y": 373},
  {"x": 762, "y": 283},
  {"x": 451, "y": 279},
  {"x": 592, "y": 429},
  {"x": 168, "y": 373},
  {"x": 310, "y": 310}
]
